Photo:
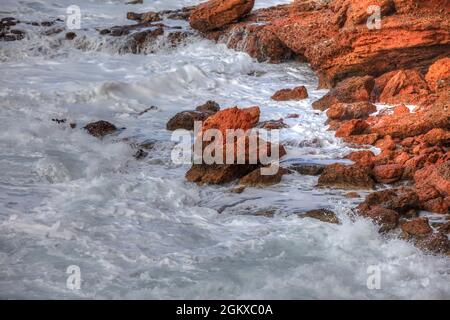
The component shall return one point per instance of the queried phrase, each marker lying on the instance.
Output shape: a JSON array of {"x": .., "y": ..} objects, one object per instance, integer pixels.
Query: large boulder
[
  {"x": 218, "y": 13},
  {"x": 246, "y": 149}
]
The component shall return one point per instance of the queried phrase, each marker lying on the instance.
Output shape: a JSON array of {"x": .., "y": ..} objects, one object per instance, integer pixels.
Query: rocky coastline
[{"x": 404, "y": 63}]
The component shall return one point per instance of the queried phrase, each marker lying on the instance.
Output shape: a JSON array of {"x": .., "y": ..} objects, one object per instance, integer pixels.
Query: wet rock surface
[
  {"x": 298, "y": 93},
  {"x": 186, "y": 119},
  {"x": 100, "y": 128},
  {"x": 218, "y": 13},
  {"x": 346, "y": 177},
  {"x": 323, "y": 215}
]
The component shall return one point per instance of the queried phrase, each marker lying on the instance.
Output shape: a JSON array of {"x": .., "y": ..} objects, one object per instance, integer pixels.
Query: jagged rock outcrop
[{"x": 218, "y": 13}]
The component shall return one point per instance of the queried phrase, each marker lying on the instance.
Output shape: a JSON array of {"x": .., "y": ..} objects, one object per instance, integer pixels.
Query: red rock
[
  {"x": 217, "y": 13},
  {"x": 388, "y": 173},
  {"x": 352, "y": 127},
  {"x": 347, "y": 111},
  {"x": 298, "y": 93},
  {"x": 356, "y": 12},
  {"x": 413, "y": 124},
  {"x": 413, "y": 164},
  {"x": 418, "y": 227},
  {"x": 362, "y": 158},
  {"x": 386, "y": 218},
  {"x": 438, "y": 76},
  {"x": 385, "y": 157},
  {"x": 232, "y": 118},
  {"x": 293, "y": 116},
  {"x": 401, "y": 109},
  {"x": 346, "y": 177},
  {"x": 406, "y": 86},
  {"x": 354, "y": 89},
  {"x": 402, "y": 158},
  {"x": 436, "y": 176},
  {"x": 436, "y": 136},
  {"x": 408, "y": 142},
  {"x": 386, "y": 143},
  {"x": 337, "y": 43},
  {"x": 257, "y": 40},
  {"x": 362, "y": 139}
]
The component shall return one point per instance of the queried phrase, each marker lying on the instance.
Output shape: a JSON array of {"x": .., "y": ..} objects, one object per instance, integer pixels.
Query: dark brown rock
[
  {"x": 323, "y": 215},
  {"x": 100, "y": 128}
]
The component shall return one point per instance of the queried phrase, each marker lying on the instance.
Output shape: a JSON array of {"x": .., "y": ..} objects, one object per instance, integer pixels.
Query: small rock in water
[
  {"x": 70, "y": 35},
  {"x": 144, "y": 17},
  {"x": 272, "y": 124},
  {"x": 323, "y": 215},
  {"x": 257, "y": 179},
  {"x": 100, "y": 128},
  {"x": 444, "y": 228},
  {"x": 59, "y": 121},
  {"x": 185, "y": 120},
  {"x": 135, "y": 2},
  {"x": 209, "y": 106},
  {"x": 238, "y": 190},
  {"x": 13, "y": 35},
  {"x": 140, "y": 154},
  {"x": 352, "y": 195},
  {"x": 308, "y": 169},
  {"x": 437, "y": 243},
  {"x": 147, "y": 110},
  {"x": 298, "y": 93},
  {"x": 419, "y": 227}
]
